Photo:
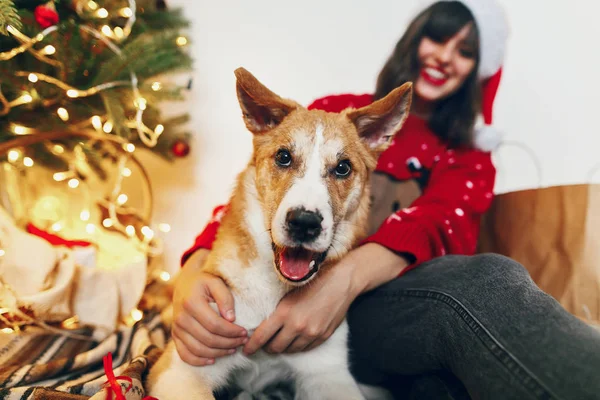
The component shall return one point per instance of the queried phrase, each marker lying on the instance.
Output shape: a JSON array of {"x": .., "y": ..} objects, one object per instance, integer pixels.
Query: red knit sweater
[{"x": 445, "y": 218}]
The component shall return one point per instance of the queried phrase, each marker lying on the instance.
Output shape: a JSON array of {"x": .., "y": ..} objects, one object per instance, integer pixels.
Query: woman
[{"x": 427, "y": 319}]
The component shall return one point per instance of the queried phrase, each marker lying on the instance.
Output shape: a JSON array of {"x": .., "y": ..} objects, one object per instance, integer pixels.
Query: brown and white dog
[{"x": 300, "y": 205}]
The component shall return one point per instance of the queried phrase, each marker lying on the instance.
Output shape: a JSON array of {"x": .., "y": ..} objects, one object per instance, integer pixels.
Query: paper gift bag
[{"x": 555, "y": 233}]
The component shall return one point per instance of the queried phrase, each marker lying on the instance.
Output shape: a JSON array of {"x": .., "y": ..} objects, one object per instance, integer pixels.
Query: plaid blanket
[{"x": 36, "y": 365}]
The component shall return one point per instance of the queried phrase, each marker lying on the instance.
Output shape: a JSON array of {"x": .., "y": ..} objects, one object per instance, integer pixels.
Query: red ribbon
[{"x": 112, "y": 386}]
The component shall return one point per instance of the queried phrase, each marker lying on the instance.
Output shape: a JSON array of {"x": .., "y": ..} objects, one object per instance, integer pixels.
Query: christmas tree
[
  {"x": 81, "y": 86},
  {"x": 73, "y": 65}
]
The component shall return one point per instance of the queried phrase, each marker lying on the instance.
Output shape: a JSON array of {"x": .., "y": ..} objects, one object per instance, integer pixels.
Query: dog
[{"x": 301, "y": 203}]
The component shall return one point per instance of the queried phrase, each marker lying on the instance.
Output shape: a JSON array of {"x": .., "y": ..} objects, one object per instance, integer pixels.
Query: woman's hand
[
  {"x": 201, "y": 334},
  {"x": 306, "y": 317}
]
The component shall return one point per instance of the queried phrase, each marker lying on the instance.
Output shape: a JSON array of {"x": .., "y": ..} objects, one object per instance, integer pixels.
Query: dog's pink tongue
[{"x": 295, "y": 263}]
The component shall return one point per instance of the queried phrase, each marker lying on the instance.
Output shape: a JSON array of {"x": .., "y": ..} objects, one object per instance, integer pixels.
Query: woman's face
[{"x": 444, "y": 67}]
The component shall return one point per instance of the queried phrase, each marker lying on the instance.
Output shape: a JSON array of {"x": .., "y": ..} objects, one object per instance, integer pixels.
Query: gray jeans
[{"x": 472, "y": 327}]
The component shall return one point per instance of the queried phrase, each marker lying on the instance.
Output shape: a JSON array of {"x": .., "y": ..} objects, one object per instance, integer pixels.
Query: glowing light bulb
[
  {"x": 118, "y": 32},
  {"x": 85, "y": 215},
  {"x": 108, "y": 127},
  {"x": 28, "y": 162},
  {"x": 13, "y": 155},
  {"x": 147, "y": 232},
  {"x": 92, "y": 5},
  {"x": 164, "y": 227},
  {"x": 19, "y": 130},
  {"x": 72, "y": 93},
  {"x": 137, "y": 315},
  {"x": 126, "y": 172},
  {"x": 27, "y": 98},
  {"x": 60, "y": 176},
  {"x": 97, "y": 122},
  {"x": 106, "y": 30},
  {"x": 63, "y": 113},
  {"x": 122, "y": 199},
  {"x": 102, "y": 13},
  {"x": 73, "y": 183},
  {"x": 165, "y": 276},
  {"x": 107, "y": 223},
  {"x": 49, "y": 49},
  {"x": 181, "y": 41},
  {"x": 33, "y": 78},
  {"x": 130, "y": 147},
  {"x": 58, "y": 149},
  {"x": 57, "y": 226},
  {"x": 156, "y": 86},
  {"x": 7, "y": 330},
  {"x": 130, "y": 230},
  {"x": 140, "y": 103},
  {"x": 90, "y": 228},
  {"x": 2, "y": 253},
  {"x": 159, "y": 129},
  {"x": 126, "y": 12}
]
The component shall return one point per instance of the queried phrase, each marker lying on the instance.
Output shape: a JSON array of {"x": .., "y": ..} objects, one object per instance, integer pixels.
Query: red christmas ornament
[
  {"x": 180, "y": 148},
  {"x": 46, "y": 15}
]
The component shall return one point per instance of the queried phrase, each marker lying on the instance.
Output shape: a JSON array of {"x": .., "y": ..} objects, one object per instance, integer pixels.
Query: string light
[
  {"x": 164, "y": 227},
  {"x": 13, "y": 155},
  {"x": 90, "y": 228},
  {"x": 92, "y": 5},
  {"x": 108, "y": 127},
  {"x": 107, "y": 223},
  {"x": 7, "y": 330},
  {"x": 63, "y": 113},
  {"x": 33, "y": 78},
  {"x": 156, "y": 86},
  {"x": 165, "y": 276},
  {"x": 126, "y": 12},
  {"x": 60, "y": 176},
  {"x": 106, "y": 30},
  {"x": 58, "y": 149},
  {"x": 118, "y": 31},
  {"x": 102, "y": 13},
  {"x": 2, "y": 253},
  {"x": 147, "y": 232},
  {"x": 57, "y": 226},
  {"x": 97, "y": 122},
  {"x": 28, "y": 162},
  {"x": 140, "y": 103},
  {"x": 122, "y": 199},
  {"x": 130, "y": 230},
  {"x": 181, "y": 41},
  {"x": 126, "y": 172},
  {"x": 19, "y": 130},
  {"x": 85, "y": 215},
  {"x": 137, "y": 315},
  {"x": 72, "y": 93},
  {"x": 73, "y": 183},
  {"x": 49, "y": 50},
  {"x": 27, "y": 98},
  {"x": 130, "y": 147},
  {"x": 159, "y": 129}
]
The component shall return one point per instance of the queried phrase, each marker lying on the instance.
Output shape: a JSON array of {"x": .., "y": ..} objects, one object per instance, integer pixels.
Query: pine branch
[
  {"x": 147, "y": 55},
  {"x": 8, "y": 16}
]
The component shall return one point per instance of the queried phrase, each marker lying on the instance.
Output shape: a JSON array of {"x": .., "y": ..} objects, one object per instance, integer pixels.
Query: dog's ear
[
  {"x": 378, "y": 122},
  {"x": 263, "y": 110}
]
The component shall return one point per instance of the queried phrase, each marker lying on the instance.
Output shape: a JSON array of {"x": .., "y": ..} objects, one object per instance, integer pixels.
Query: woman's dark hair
[{"x": 454, "y": 117}]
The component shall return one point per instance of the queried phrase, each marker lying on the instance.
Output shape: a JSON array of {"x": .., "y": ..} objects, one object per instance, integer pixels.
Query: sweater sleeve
[
  {"x": 333, "y": 103},
  {"x": 445, "y": 218}
]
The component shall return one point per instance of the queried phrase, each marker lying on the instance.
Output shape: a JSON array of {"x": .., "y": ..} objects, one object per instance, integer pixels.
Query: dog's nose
[{"x": 303, "y": 226}]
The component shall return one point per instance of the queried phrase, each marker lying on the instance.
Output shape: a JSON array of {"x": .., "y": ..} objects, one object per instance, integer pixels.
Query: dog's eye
[
  {"x": 343, "y": 169},
  {"x": 283, "y": 158}
]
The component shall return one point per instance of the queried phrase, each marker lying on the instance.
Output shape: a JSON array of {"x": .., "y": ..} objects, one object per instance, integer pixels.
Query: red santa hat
[{"x": 493, "y": 29}]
